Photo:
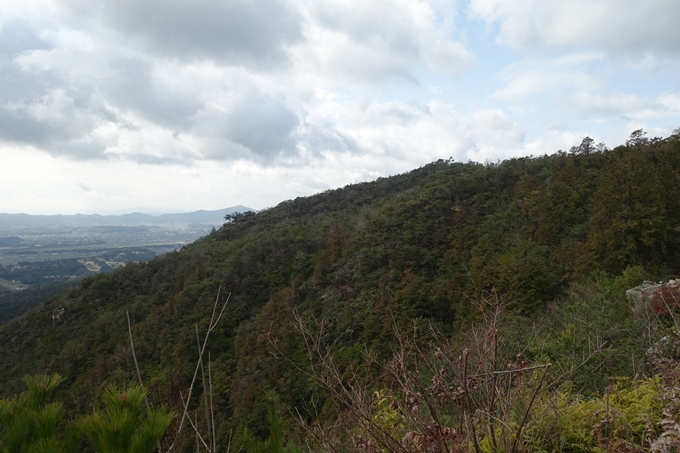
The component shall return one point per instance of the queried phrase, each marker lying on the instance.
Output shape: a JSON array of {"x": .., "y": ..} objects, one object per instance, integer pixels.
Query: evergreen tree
[
  {"x": 28, "y": 423},
  {"x": 630, "y": 223},
  {"x": 122, "y": 426}
]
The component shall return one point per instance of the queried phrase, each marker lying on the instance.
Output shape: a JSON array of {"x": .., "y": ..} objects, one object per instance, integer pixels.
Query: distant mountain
[
  {"x": 135, "y": 218},
  {"x": 10, "y": 241}
]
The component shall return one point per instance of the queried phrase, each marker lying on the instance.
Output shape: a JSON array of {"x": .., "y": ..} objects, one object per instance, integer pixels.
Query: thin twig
[
  {"x": 526, "y": 413},
  {"x": 469, "y": 403},
  {"x": 205, "y": 393},
  {"x": 221, "y": 311},
  {"x": 191, "y": 422},
  {"x": 134, "y": 356},
  {"x": 211, "y": 326},
  {"x": 212, "y": 411},
  {"x": 334, "y": 382},
  {"x": 492, "y": 401},
  {"x": 513, "y": 371}
]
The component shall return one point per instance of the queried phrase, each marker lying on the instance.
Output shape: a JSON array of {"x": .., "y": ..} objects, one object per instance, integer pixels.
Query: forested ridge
[{"x": 551, "y": 239}]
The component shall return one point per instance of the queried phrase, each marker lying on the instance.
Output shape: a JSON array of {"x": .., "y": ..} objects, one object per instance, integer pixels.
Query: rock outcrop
[{"x": 655, "y": 298}]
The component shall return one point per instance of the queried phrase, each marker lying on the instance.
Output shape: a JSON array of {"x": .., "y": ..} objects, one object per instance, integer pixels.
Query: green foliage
[
  {"x": 44, "y": 272},
  {"x": 275, "y": 443},
  {"x": 589, "y": 334},
  {"x": 235, "y": 217},
  {"x": 524, "y": 275},
  {"x": 368, "y": 257},
  {"x": 16, "y": 303},
  {"x": 627, "y": 416},
  {"x": 631, "y": 222},
  {"x": 28, "y": 423},
  {"x": 631, "y": 277},
  {"x": 123, "y": 426}
]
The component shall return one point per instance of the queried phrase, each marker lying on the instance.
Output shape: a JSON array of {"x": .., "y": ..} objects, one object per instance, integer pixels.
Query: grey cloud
[
  {"x": 77, "y": 146},
  {"x": 328, "y": 138},
  {"x": 131, "y": 86},
  {"x": 18, "y": 127},
  {"x": 253, "y": 33},
  {"x": 263, "y": 125},
  {"x": 84, "y": 187},
  {"x": 61, "y": 127},
  {"x": 258, "y": 127},
  {"x": 160, "y": 160},
  {"x": 56, "y": 137},
  {"x": 316, "y": 184},
  {"x": 362, "y": 27},
  {"x": 42, "y": 109},
  {"x": 17, "y": 37},
  {"x": 15, "y": 84},
  {"x": 622, "y": 26}
]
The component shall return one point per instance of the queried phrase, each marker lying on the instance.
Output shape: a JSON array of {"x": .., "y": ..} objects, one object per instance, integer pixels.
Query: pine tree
[
  {"x": 123, "y": 426},
  {"x": 28, "y": 423},
  {"x": 630, "y": 223}
]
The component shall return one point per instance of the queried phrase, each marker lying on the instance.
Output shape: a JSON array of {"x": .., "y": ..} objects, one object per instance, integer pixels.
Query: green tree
[
  {"x": 28, "y": 423},
  {"x": 275, "y": 442},
  {"x": 630, "y": 223},
  {"x": 123, "y": 426},
  {"x": 524, "y": 275}
]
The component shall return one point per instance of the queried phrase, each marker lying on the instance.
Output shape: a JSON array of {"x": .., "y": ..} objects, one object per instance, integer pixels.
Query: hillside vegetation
[{"x": 536, "y": 252}]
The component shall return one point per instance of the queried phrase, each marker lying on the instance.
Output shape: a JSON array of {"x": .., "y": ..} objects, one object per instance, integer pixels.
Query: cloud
[
  {"x": 251, "y": 33},
  {"x": 298, "y": 83},
  {"x": 616, "y": 26},
  {"x": 404, "y": 135},
  {"x": 134, "y": 84},
  {"x": 174, "y": 83},
  {"x": 54, "y": 123},
  {"x": 625, "y": 106},
  {"x": 16, "y": 37},
  {"x": 84, "y": 187},
  {"x": 378, "y": 41},
  {"x": 42, "y": 109},
  {"x": 532, "y": 77},
  {"x": 262, "y": 124},
  {"x": 253, "y": 125}
]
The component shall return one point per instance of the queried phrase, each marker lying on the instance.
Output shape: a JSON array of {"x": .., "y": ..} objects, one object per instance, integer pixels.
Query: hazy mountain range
[{"x": 135, "y": 218}]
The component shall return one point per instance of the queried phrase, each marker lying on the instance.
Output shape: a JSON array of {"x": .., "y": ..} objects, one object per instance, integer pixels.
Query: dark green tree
[
  {"x": 276, "y": 442},
  {"x": 630, "y": 222}
]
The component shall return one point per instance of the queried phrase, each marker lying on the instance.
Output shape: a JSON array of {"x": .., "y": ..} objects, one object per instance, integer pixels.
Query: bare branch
[{"x": 134, "y": 356}]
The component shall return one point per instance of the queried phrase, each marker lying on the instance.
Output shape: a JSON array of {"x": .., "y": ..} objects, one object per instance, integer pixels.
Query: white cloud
[
  {"x": 303, "y": 95},
  {"x": 169, "y": 82},
  {"x": 411, "y": 134},
  {"x": 625, "y": 106},
  {"x": 532, "y": 77},
  {"x": 551, "y": 141},
  {"x": 379, "y": 40},
  {"x": 610, "y": 25}
]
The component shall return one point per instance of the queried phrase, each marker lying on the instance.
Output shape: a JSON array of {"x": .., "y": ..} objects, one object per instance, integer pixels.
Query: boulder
[{"x": 655, "y": 298}]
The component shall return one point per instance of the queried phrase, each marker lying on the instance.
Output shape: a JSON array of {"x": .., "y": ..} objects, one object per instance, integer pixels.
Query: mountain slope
[{"x": 365, "y": 257}]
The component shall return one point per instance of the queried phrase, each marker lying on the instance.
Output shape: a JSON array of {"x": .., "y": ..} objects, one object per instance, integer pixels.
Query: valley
[
  {"x": 42, "y": 255},
  {"x": 68, "y": 242}
]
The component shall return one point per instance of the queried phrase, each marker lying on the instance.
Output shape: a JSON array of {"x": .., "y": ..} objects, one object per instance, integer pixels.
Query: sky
[{"x": 114, "y": 106}]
